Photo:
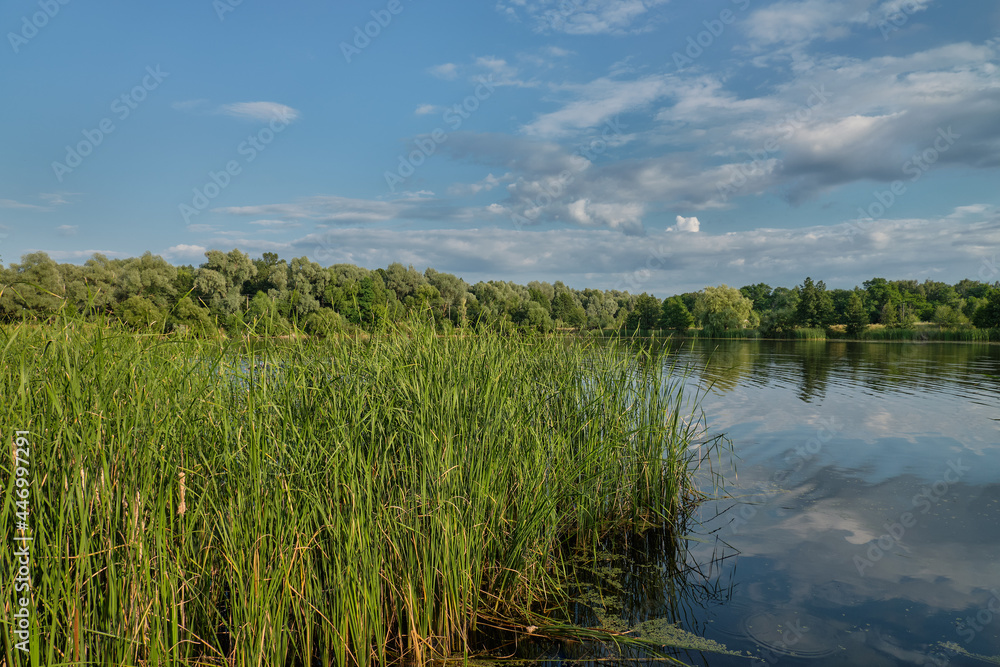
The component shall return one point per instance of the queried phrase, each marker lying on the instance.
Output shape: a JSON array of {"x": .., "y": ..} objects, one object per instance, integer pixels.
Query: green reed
[{"x": 263, "y": 502}]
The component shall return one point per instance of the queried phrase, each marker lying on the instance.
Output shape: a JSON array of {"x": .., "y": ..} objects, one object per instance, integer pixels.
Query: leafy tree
[
  {"x": 141, "y": 314},
  {"x": 188, "y": 317},
  {"x": 33, "y": 288},
  {"x": 263, "y": 317},
  {"x": 815, "y": 307},
  {"x": 949, "y": 317},
  {"x": 646, "y": 314},
  {"x": 988, "y": 315},
  {"x": 324, "y": 322},
  {"x": 676, "y": 315},
  {"x": 600, "y": 309},
  {"x": 759, "y": 294},
  {"x": 532, "y": 315},
  {"x": 149, "y": 276},
  {"x": 220, "y": 280},
  {"x": 566, "y": 309},
  {"x": 882, "y": 300},
  {"x": 855, "y": 315},
  {"x": 783, "y": 315},
  {"x": 372, "y": 303},
  {"x": 722, "y": 308},
  {"x": 539, "y": 297}
]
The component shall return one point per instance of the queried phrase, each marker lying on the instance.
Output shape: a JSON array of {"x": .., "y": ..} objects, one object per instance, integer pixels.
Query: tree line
[{"x": 268, "y": 295}]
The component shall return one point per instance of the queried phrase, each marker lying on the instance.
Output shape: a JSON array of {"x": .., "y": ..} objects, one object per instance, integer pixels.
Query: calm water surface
[{"x": 865, "y": 525}]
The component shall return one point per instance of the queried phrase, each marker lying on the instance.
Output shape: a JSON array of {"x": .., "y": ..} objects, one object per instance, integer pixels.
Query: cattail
[{"x": 181, "y": 507}]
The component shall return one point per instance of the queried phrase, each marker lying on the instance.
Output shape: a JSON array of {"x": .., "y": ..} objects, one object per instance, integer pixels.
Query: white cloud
[
  {"x": 687, "y": 224},
  {"x": 277, "y": 224},
  {"x": 57, "y": 198},
  {"x": 185, "y": 252},
  {"x": 427, "y": 109},
  {"x": 10, "y": 203},
  {"x": 667, "y": 262},
  {"x": 584, "y": 17},
  {"x": 485, "y": 185},
  {"x": 77, "y": 255},
  {"x": 447, "y": 71},
  {"x": 597, "y": 102},
  {"x": 67, "y": 230},
  {"x": 805, "y": 20},
  {"x": 261, "y": 111}
]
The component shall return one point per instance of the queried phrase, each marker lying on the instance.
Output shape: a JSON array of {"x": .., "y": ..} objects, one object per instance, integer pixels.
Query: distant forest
[{"x": 233, "y": 293}]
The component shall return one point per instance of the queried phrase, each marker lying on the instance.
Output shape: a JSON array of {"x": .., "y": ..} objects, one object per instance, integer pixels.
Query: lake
[
  {"x": 864, "y": 523},
  {"x": 866, "y": 529}
]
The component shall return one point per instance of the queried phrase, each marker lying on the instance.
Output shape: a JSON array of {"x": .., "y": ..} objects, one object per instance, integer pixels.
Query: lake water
[{"x": 865, "y": 528}]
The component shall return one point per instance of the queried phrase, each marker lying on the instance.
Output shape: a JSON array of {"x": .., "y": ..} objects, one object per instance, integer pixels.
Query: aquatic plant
[{"x": 278, "y": 502}]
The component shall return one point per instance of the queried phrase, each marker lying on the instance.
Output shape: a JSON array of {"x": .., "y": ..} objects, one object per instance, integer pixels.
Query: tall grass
[{"x": 323, "y": 502}]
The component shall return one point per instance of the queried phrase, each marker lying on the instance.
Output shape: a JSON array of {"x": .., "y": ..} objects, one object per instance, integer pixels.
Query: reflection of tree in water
[
  {"x": 929, "y": 367},
  {"x": 723, "y": 364},
  {"x": 816, "y": 359},
  {"x": 813, "y": 366}
]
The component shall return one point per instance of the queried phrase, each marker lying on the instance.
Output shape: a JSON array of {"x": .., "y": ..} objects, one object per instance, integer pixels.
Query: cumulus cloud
[
  {"x": 668, "y": 262},
  {"x": 686, "y": 224}
]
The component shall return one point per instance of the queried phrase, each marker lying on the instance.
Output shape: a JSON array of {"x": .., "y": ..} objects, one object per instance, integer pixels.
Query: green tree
[
  {"x": 759, "y": 294},
  {"x": 33, "y": 288},
  {"x": 722, "y": 308},
  {"x": 676, "y": 315},
  {"x": 188, "y": 317},
  {"x": 855, "y": 315},
  {"x": 882, "y": 300},
  {"x": 532, "y": 315},
  {"x": 220, "y": 280},
  {"x": 141, "y": 314},
  {"x": 988, "y": 315},
  {"x": 645, "y": 315},
  {"x": 949, "y": 317},
  {"x": 566, "y": 309},
  {"x": 815, "y": 307}
]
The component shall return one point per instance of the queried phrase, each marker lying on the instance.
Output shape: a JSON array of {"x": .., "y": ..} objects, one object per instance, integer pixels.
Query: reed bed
[{"x": 324, "y": 502}]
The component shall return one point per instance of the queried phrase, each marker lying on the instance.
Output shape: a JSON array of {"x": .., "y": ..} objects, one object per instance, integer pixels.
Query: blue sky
[{"x": 647, "y": 145}]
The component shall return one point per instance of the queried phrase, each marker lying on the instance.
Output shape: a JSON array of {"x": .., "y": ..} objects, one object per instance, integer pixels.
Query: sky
[{"x": 644, "y": 145}]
